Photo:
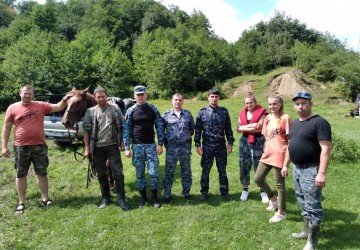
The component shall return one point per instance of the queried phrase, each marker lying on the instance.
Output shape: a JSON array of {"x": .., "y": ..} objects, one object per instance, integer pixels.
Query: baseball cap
[
  {"x": 139, "y": 89},
  {"x": 302, "y": 94}
]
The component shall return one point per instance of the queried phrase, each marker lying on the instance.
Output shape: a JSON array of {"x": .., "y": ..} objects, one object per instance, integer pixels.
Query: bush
[
  {"x": 202, "y": 96},
  {"x": 345, "y": 150}
]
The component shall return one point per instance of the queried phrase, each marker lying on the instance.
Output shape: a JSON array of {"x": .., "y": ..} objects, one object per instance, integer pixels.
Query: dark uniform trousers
[{"x": 218, "y": 151}]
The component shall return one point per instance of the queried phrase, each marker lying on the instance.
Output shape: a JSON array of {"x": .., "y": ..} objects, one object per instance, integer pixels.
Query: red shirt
[{"x": 29, "y": 122}]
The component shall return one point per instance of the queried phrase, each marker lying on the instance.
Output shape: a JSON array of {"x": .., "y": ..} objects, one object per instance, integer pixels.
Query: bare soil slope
[{"x": 286, "y": 84}]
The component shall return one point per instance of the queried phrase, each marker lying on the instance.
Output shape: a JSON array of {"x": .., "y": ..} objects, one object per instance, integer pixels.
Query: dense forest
[{"x": 120, "y": 43}]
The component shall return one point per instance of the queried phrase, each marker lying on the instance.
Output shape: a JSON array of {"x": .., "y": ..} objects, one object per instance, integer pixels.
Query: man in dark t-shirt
[
  {"x": 309, "y": 149},
  {"x": 140, "y": 120}
]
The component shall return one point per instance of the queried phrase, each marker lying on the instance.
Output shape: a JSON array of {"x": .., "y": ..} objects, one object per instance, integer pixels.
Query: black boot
[
  {"x": 105, "y": 192},
  {"x": 143, "y": 198},
  {"x": 120, "y": 189},
  {"x": 204, "y": 196},
  {"x": 313, "y": 237},
  {"x": 155, "y": 198},
  {"x": 304, "y": 233}
]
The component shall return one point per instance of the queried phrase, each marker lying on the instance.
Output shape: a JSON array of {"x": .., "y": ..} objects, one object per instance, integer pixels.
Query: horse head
[{"x": 77, "y": 106}]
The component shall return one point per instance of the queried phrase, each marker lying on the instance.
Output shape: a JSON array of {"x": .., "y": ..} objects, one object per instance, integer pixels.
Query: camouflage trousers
[
  {"x": 145, "y": 154},
  {"x": 25, "y": 155},
  {"x": 250, "y": 155},
  {"x": 175, "y": 153},
  {"x": 217, "y": 151}
]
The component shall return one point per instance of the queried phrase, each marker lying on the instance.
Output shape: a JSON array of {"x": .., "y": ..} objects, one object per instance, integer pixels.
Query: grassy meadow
[{"x": 75, "y": 222}]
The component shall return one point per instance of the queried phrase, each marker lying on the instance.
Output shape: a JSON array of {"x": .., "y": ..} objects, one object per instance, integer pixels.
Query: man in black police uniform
[{"x": 212, "y": 125}]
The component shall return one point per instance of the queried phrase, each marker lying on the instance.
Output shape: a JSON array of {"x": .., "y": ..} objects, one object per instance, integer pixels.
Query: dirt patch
[
  {"x": 244, "y": 89},
  {"x": 288, "y": 83}
]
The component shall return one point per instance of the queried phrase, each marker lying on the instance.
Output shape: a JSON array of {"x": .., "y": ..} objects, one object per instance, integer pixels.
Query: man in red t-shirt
[{"x": 29, "y": 141}]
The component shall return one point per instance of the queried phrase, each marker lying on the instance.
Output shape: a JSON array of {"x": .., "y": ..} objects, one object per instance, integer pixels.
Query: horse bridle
[
  {"x": 76, "y": 124},
  {"x": 83, "y": 110}
]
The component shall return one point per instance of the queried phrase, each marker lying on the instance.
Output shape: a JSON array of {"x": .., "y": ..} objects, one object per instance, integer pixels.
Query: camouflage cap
[
  {"x": 139, "y": 89},
  {"x": 302, "y": 94}
]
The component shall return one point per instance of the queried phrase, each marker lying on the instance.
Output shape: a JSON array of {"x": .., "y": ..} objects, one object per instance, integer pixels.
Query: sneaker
[
  {"x": 273, "y": 205},
  {"x": 244, "y": 196},
  {"x": 264, "y": 197},
  {"x": 277, "y": 217}
]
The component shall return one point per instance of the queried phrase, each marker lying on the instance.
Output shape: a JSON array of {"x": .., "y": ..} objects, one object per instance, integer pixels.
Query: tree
[
  {"x": 91, "y": 60},
  {"x": 157, "y": 16},
  {"x": 44, "y": 16},
  {"x": 349, "y": 74},
  {"x": 70, "y": 17},
  {"x": 7, "y": 12},
  {"x": 34, "y": 59},
  {"x": 305, "y": 56},
  {"x": 268, "y": 44},
  {"x": 170, "y": 60}
]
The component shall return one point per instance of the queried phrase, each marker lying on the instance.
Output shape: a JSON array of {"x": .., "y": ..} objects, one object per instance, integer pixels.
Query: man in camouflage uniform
[
  {"x": 179, "y": 127},
  {"x": 140, "y": 120},
  {"x": 212, "y": 125}
]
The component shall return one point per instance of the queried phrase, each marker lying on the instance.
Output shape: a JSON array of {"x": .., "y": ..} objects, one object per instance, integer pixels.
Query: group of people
[{"x": 269, "y": 141}]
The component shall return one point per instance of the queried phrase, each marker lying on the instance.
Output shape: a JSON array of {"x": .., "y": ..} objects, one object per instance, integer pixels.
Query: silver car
[{"x": 54, "y": 129}]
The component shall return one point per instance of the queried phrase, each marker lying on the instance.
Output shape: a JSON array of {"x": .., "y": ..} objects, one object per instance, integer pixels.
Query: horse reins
[{"x": 76, "y": 124}]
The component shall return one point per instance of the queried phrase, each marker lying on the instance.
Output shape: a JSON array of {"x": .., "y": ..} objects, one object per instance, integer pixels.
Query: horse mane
[{"x": 91, "y": 99}]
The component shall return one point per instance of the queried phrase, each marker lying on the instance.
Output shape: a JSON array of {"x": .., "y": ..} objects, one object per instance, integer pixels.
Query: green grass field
[{"x": 75, "y": 222}]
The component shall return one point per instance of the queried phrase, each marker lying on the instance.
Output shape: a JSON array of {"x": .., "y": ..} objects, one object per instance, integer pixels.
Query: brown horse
[{"x": 77, "y": 106}]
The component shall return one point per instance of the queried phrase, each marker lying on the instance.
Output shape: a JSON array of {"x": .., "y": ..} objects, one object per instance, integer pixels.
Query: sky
[{"x": 229, "y": 18}]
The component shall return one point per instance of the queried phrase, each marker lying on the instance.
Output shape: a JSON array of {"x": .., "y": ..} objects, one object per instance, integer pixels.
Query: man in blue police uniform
[
  {"x": 213, "y": 124},
  {"x": 179, "y": 127},
  {"x": 140, "y": 120}
]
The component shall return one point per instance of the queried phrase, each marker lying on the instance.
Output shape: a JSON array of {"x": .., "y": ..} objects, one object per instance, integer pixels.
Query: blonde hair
[
  {"x": 277, "y": 96},
  {"x": 250, "y": 95}
]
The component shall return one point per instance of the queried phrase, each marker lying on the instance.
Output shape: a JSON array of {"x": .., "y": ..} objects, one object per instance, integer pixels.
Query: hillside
[{"x": 285, "y": 81}]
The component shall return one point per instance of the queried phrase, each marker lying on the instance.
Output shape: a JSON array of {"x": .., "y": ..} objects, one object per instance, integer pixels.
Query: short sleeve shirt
[
  {"x": 275, "y": 131},
  {"x": 29, "y": 122},
  {"x": 304, "y": 147}
]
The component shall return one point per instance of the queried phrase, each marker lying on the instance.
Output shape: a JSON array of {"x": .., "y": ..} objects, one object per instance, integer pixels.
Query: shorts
[{"x": 25, "y": 155}]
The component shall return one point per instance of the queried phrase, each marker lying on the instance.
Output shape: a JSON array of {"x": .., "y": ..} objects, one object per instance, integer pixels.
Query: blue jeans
[{"x": 308, "y": 194}]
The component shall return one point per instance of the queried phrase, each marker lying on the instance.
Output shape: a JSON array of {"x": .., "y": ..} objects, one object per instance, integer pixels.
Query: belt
[{"x": 308, "y": 165}]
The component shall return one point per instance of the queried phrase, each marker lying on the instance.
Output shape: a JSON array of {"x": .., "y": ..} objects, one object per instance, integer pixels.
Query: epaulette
[
  {"x": 167, "y": 112},
  {"x": 203, "y": 108}
]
